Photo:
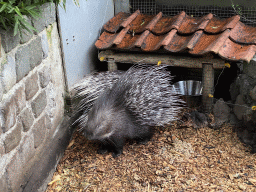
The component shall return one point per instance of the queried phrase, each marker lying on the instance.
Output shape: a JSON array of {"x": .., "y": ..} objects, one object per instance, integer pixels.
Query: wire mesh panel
[
  {"x": 247, "y": 14},
  {"x": 145, "y": 6}
]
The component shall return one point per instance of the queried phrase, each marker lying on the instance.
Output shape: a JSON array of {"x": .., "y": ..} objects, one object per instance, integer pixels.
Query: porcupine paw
[
  {"x": 143, "y": 141},
  {"x": 117, "y": 153},
  {"x": 102, "y": 149}
]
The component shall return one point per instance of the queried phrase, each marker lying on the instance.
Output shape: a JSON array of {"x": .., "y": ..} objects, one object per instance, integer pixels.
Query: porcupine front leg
[
  {"x": 118, "y": 144},
  {"x": 103, "y": 148}
]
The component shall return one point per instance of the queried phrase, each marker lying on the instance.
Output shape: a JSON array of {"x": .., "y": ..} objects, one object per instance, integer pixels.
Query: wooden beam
[{"x": 154, "y": 58}]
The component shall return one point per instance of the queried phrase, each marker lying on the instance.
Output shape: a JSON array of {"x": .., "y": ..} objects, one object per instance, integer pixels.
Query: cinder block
[
  {"x": 1, "y": 88},
  {"x": 48, "y": 122},
  {"x": 20, "y": 98},
  {"x": 8, "y": 40},
  {"x": 27, "y": 119},
  {"x": 2, "y": 120},
  {"x": 26, "y": 35},
  {"x": 39, "y": 103},
  {"x": 15, "y": 173},
  {"x": 58, "y": 115},
  {"x": 3, "y": 183},
  {"x": 27, "y": 57},
  {"x": 39, "y": 131},
  {"x": 45, "y": 45},
  {"x": 2, "y": 152},
  {"x": 31, "y": 86},
  {"x": 27, "y": 150},
  {"x": 9, "y": 112},
  {"x": 22, "y": 58},
  {"x": 44, "y": 77},
  {"x": 12, "y": 140},
  {"x": 48, "y": 17},
  {"x": 36, "y": 52},
  {"x": 9, "y": 73}
]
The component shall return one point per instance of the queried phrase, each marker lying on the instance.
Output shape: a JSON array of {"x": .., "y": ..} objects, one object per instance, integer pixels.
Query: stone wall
[
  {"x": 241, "y": 110},
  {"x": 243, "y": 92},
  {"x": 31, "y": 97}
]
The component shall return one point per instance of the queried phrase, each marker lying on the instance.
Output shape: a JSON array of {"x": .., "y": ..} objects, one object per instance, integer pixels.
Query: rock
[
  {"x": 234, "y": 91},
  {"x": 240, "y": 107},
  {"x": 221, "y": 112},
  {"x": 253, "y": 93},
  {"x": 233, "y": 119}
]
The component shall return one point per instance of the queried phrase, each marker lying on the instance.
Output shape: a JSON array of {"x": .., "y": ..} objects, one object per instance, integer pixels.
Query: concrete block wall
[{"x": 31, "y": 97}]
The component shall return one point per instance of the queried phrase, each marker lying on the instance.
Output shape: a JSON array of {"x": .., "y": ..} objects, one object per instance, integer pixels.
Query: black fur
[
  {"x": 111, "y": 122},
  {"x": 114, "y": 106}
]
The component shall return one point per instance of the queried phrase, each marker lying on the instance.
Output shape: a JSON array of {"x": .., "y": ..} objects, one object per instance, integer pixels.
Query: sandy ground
[{"x": 175, "y": 159}]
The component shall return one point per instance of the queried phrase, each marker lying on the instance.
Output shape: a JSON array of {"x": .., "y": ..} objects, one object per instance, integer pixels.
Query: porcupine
[{"x": 116, "y": 106}]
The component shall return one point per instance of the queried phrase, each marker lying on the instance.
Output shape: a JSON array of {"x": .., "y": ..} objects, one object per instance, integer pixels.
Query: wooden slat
[{"x": 172, "y": 60}]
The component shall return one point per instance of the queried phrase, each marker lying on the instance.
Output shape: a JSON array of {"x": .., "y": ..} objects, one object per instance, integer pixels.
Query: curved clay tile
[
  {"x": 243, "y": 34},
  {"x": 233, "y": 51},
  {"x": 141, "y": 38},
  {"x": 106, "y": 40},
  {"x": 179, "y": 43},
  {"x": 130, "y": 18},
  {"x": 114, "y": 24},
  {"x": 217, "y": 25},
  {"x": 192, "y": 24},
  {"x": 153, "y": 22},
  {"x": 128, "y": 42},
  {"x": 229, "y": 38},
  {"x": 138, "y": 25},
  {"x": 152, "y": 42},
  {"x": 121, "y": 35},
  {"x": 209, "y": 43},
  {"x": 169, "y": 36},
  {"x": 166, "y": 24}
]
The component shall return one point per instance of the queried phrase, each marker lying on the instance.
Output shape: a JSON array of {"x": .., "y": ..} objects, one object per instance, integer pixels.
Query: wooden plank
[{"x": 172, "y": 60}]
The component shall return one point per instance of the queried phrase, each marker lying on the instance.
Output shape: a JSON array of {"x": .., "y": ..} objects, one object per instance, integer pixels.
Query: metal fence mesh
[{"x": 247, "y": 14}]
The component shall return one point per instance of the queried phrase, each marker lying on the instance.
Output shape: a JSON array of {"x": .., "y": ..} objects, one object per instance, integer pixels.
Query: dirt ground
[{"x": 175, "y": 159}]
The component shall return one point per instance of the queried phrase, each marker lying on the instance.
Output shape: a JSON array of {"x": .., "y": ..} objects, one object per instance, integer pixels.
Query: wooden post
[
  {"x": 208, "y": 84},
  {"x": 112, "y": 66}
]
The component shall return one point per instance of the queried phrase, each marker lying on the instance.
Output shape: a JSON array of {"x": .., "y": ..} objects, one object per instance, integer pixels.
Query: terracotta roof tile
[
  {"x": 217, "y": 25},
  {"x": 229, "y": 38},
  {"x": 209, "y": 43},
  {"x": 243, "y": 34},
  {"x": 233, "y": 51},
  {"x": 115, "y": 23},
  {"x": 166, "y": 24},
  {"x": 192, "y": 24}
]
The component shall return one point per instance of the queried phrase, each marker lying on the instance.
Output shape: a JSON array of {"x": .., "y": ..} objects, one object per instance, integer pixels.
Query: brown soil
[{"x": 178, "y": 159}]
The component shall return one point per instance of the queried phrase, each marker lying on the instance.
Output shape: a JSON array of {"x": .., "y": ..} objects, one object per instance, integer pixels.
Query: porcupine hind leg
[{"x": 144, "y": 135}]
